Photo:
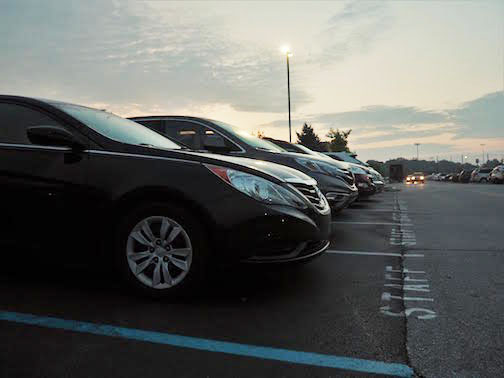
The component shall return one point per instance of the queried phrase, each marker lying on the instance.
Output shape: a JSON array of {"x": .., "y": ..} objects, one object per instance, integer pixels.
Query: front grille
[
  {"x": 313, "y": 194},
  {"x": 349, "y": 177}
]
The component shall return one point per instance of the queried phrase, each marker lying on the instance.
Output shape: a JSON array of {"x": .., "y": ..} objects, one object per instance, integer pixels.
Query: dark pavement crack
[{"x": 404, "y": 250}]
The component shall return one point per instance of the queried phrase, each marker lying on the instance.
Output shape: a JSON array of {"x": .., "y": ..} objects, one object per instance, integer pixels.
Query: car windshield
[
  {"x": 306, "y": 149},
  {"x": 248, "y": 138},
  {"x": 116, "y": 128}
]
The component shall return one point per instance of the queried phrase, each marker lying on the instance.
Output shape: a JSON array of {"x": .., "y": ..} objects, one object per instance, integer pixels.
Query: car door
[{"x": 41, "y": 187}]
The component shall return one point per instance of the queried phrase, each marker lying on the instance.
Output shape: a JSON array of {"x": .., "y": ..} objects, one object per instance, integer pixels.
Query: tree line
[{"x": 338, "y": 140}]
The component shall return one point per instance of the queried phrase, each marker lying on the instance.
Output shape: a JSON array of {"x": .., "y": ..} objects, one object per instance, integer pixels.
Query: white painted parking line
[
  {"x": 388, "y": 297},
  {"x": 391, "y": 210},
  {"x": 372, "y": 223},
  {"x": 422, "y": 288},
  {"x": 372, "y": 253},
  {"x": 388, "y": 276},
  {"x": 404, "y": 270}
]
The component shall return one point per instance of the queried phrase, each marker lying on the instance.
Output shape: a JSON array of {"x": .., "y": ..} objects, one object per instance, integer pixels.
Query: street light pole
[
  {"x": 483, "y": 147},
  {"x": 288, "y": 96},
  {"x": 417, "y": 144},
  {"x": 288, "y": 54}
]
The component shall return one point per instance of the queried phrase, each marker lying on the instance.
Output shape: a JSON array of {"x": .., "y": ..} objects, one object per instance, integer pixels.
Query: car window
[
  {"x": 208, "y": 136},
  {"x": 187, "y": 133},
  {"x": 15, "y": 119}
]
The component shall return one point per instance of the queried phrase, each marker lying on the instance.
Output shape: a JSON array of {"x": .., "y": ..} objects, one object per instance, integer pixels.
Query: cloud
[
  {"x": 120, "y": 52},
  {"x": 380, "y": 115},
  {"x": 352, "y": 30},
  {"x": 482, "y": 117}
]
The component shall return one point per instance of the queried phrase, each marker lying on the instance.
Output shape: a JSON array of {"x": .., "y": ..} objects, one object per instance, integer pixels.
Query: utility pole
[{"x": 417, "y": 144}]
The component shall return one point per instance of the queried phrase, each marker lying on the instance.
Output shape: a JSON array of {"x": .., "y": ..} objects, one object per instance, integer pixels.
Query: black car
[
  {"x": 464, "y": 176},
  {"x": 88, "y": 184},
  {"x": 334, "y": 180},
  {"x": 363, "y": 176}
]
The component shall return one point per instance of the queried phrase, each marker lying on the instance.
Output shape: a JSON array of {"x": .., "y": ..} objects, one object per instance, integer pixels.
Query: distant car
[
  {"x": 464, "y": 176},
  {"x": 367, "y": 180},
  {"x": 497, "y": 175},
  {"x": 481, "y": 174},
  {"x": 377, "y": 178},
  {"x": 346, "y": 156},
  {"x": 415, "y": 178},
  {"x": 455, "y": 177}
]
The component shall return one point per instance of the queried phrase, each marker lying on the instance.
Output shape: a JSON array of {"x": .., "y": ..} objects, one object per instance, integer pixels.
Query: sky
[{"x": 395, "y": 73}]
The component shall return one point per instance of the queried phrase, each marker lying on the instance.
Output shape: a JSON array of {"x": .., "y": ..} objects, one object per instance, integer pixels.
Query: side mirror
[
  {"x": 215, "y": 143},
  {"x": 54, "y": 136}
]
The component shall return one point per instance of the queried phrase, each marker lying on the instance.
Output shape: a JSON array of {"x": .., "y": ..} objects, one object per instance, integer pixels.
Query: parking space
[
  {"x": 330, "y": 307},
  {"x": 390, "y": 295}
]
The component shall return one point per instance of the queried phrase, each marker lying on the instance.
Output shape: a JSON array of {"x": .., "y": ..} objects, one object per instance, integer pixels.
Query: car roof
[
  {"x": 161, "y": 117},
  {"x": 39, "y": 100}
]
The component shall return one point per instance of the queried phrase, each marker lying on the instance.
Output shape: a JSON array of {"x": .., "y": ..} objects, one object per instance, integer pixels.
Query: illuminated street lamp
[
  {"x": 483, "y": 147},
  {"x": 288, "y": 54}
]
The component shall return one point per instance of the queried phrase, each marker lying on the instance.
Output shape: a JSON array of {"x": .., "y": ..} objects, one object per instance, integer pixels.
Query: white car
[
  {"x": 481, "y": 174},
  {"x": 497, "y": 175}
]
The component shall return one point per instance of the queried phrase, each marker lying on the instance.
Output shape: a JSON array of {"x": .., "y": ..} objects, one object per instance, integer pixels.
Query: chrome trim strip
[
  {"x": 192, "y": 121},
  {"x": 124, "y": 154},
  {"x": 35, "y": 146},
  {"x": 295, "y": 180}
]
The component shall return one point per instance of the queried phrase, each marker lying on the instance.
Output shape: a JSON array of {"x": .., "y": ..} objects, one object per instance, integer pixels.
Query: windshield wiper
[{"x": 264, "y": 149}]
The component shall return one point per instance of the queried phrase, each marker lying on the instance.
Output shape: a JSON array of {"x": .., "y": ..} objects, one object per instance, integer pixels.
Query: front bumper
[
  {"x": 366, "y": 189},
  {"x": 380, "y": 185},
  {"x": 338, "y": 192},
  {"x": 341, "y": 200},
  {"x": 278, "y": 234}
]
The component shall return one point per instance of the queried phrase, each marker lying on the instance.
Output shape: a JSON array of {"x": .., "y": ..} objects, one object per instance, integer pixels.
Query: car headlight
[
  {"x": 421, "y": 177},
  {"x": 320, "y": 167},
  {"x": 259, "y": 188}
]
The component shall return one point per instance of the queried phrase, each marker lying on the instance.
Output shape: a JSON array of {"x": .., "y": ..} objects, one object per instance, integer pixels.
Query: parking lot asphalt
[{"x": 412, "y": 281}]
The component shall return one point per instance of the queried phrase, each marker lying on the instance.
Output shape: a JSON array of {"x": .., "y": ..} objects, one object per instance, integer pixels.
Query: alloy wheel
[{"x": 159, "y": 252}]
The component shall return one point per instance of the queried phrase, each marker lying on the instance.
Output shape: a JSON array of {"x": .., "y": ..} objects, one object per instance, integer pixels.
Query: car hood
[
  {"x": 295, "y": 155},
  {"x": 280, "y": 172}
]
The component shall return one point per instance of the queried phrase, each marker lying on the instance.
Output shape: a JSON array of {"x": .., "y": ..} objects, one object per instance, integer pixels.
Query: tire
[
  {"x": 483, "y": 181},
  {"x": 190, "y": 235}
]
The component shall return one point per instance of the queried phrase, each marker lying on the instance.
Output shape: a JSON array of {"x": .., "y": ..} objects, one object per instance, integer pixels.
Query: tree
[
  {"x": 339, "y": 140},
  {"x": 259, "y": 134},
  {"x": 378, "y": 166},
  {"x": 308, "y": 138}
]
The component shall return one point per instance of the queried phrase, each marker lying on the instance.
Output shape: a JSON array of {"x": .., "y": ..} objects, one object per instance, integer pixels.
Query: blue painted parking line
[{"x": 267, "y": 353}]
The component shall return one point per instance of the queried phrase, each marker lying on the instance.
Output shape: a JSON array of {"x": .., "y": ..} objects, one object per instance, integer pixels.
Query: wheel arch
[{"x": 138, "y": 197}]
